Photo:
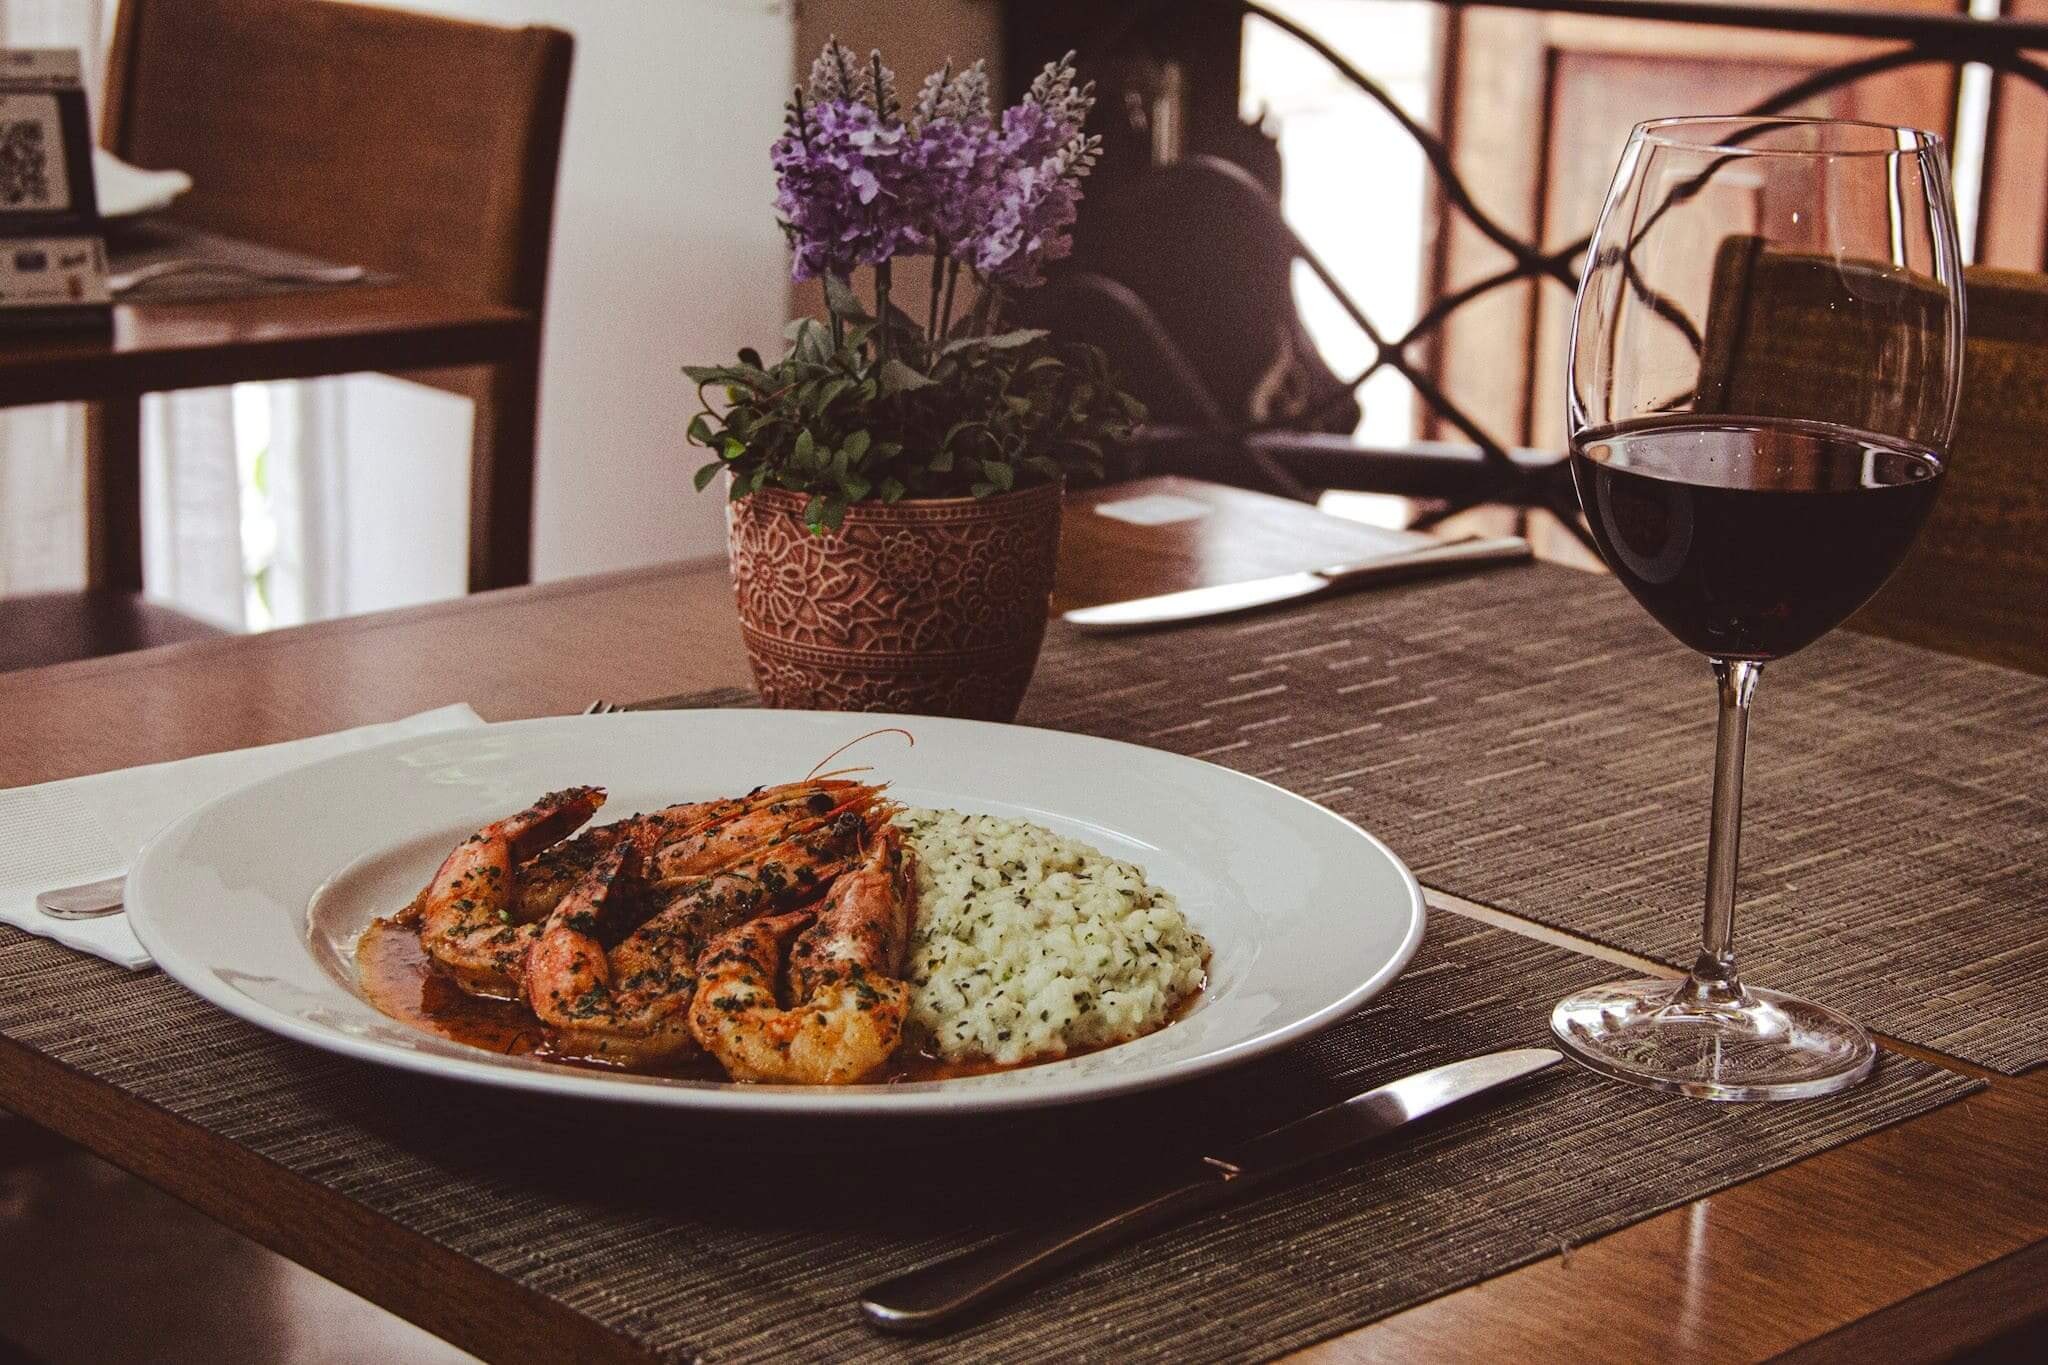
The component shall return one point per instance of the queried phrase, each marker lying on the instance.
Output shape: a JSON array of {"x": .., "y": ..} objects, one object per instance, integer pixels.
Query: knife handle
[
  {"x": 941, "y": 1294},
  {"x": 1386, "y": 568}
]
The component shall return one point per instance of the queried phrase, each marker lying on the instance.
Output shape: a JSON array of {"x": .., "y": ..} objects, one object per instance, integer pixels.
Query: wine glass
[{"x": 1765, "y": 360}]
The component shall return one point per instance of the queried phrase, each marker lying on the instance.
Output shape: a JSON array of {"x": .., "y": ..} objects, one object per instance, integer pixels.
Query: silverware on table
[
  {"x": 121, "y": 281},
  {"x": 1198, "y": 604},
  {"x": 601, "y": 707},
  {"x": 89, "y": 901},
  {"x": 941, "y": 1294}
]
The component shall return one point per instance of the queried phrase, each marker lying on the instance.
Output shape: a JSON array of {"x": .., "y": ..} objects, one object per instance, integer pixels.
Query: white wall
[{"x": 666, "y": 253}]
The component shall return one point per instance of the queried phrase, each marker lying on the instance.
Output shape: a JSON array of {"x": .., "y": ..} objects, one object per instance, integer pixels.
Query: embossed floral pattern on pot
[{"x": 919, "y": 606}]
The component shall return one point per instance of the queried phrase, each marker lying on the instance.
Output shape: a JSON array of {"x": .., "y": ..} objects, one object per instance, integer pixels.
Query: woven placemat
[
  {"x": 1530, "y": 739},
  {"x": 694, "y": 1241}
]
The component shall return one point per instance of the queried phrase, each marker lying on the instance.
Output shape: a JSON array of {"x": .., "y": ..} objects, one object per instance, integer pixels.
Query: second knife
[
  {"x": 939, "y": 1295},
  {"x": 1227, "y": 599}
]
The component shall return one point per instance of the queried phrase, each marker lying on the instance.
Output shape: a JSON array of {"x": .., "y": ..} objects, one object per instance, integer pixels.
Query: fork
[
  {"x": 121, "y": 281},
  {"x": 90, "y": 901},
  {"x": 601, "y": 707}
]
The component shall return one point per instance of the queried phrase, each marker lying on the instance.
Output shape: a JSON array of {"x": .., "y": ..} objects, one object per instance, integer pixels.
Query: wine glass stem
[{"x": 1713, "y": 979}]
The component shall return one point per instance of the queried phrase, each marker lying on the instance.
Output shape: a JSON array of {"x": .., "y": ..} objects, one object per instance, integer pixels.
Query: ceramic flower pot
[{"x": 933, "y": 607}]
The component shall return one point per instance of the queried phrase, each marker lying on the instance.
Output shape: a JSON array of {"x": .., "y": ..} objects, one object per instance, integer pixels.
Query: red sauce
[{"x": 401, "y": 980}]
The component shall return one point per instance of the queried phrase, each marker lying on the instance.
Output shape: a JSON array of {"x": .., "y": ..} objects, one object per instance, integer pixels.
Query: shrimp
[
  {"x": 848, "y": 997},
  {"x": 771, "y": 815},
  {"x": 629, "y": 1006},
  {"x": 777, "y": 877},
  {"x": 465, "y": 915},
  {"x": 695, "y": 838}
]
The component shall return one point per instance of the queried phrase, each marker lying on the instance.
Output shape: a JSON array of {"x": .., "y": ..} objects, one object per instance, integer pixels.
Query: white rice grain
[{"x": 1029, "y": 945}]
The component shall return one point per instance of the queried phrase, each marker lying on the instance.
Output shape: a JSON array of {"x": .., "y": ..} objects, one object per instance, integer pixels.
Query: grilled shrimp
[
  {"x": 771, "y": 815},
  {"x": 465, "y": 915},
  {"x": 629, "y": 1005},
  {"x": 848, "y": 1000},
  {"x": 691, "y": 839}
]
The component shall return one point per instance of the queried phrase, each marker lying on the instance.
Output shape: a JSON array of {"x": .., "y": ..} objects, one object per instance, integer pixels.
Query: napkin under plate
[{"x": 84, "y": 828}]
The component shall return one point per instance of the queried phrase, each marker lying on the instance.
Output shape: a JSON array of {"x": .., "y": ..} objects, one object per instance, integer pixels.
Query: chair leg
[
  {"x": 113, "y": 494},
  {"x": 501, "y": 476}
]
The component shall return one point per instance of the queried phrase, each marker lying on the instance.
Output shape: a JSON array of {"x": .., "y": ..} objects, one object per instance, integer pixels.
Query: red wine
[{"x": 1750, "y": 539}]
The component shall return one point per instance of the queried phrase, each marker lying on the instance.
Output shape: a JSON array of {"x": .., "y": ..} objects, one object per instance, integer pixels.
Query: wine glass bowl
[{"x": 1765, "y": 364}]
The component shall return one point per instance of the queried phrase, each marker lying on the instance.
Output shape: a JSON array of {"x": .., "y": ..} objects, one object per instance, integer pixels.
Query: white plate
[
  {"x": 254, "y": 901},
  {"x": 124, "y": 191}
]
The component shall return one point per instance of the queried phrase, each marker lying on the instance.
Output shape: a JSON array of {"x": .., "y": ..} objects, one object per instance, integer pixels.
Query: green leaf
[
  {"x": 841, "y": 299},
  {"x": 1001, "y": 341},
  {"x": 750, "y": 357},
  {"x": 941, "y": 462},
  {"x": 856, "y": 486},
  {"x": 706, "y": 473},
  {"x": 731, "y": 450},
  {"x": 982, "y": 490},
  {"x": 893, "y": 489},
  {"x": 999, "y": 474},
  {"x": 811, "y": 342},
  {"x": 855, "y": 446},
  {"x": 901, "y": 324},
  {"x": 700, "y": 432},
  {"x": 805, "y": 451},
  {"x": 898, "y": 377}
]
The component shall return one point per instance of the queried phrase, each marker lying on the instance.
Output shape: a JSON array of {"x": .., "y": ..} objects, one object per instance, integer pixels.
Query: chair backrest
[
  {"x": 1976, "y": 582},
  {"x": 414, "y": 144}
]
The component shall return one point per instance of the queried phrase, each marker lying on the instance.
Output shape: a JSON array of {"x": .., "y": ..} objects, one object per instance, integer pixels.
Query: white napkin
[{"x": 85, "y": 828}]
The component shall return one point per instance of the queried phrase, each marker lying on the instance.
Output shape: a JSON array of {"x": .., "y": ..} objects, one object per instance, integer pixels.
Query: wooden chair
[
  {"x": 414, "y": 145},
  {"x": 1976, "y": 582}
]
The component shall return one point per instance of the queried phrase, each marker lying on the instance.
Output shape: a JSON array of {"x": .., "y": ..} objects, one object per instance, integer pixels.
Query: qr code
[{"x": 24, "y": 164}]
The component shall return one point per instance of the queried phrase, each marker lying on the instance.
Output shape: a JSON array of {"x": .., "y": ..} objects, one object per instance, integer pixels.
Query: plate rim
[{"x": 916, "y": 1100}]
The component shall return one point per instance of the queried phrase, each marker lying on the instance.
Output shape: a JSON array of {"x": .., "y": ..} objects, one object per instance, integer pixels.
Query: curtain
[{"x": 308, "y": 577}]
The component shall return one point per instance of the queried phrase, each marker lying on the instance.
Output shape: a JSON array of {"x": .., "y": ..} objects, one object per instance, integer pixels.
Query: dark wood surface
[
  {"x": 56, "y": 626},
  {"x": 1765, "y": 1267},
  {"x": 198, "y": 344}
]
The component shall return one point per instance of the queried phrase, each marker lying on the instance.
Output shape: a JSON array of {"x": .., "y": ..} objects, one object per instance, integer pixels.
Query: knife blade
[
  {"x": 1227, "y": 599},
  {"x": 948, "y": 1291}
]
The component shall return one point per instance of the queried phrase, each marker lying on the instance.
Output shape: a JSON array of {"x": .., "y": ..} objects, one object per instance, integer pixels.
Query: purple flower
[
  {"x": 856, "y": 185},
  {"x": 1038, "y": 157},
  {"x": 847, "y": 193}
]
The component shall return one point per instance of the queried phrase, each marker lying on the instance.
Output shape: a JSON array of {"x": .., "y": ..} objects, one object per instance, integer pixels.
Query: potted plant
[{"x": 894, "y": 483}]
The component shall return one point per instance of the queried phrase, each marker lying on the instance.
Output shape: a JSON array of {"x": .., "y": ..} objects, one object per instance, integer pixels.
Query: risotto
[{"x": 1029, "y": 945}]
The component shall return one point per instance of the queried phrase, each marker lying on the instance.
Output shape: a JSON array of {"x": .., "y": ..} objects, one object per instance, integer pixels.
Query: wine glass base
[{"x": 1768, "y": 1046}]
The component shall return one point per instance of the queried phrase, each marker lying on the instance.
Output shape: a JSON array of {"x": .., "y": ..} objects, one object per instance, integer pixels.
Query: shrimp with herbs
[
  {"x": 848, "y": 1000},
  {"x": 465, "y": 916},
  {"x": 628, "y": 1004},
  {"x": 693, "y": 838}
]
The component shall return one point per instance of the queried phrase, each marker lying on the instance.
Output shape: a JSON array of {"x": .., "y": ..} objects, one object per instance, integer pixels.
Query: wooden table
[
  {"x": 1923, "y": 1238},
  {"x": 157, "y": 345}
]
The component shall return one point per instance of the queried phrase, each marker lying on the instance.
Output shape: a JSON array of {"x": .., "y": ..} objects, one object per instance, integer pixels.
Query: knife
[
  {"x": 941, "y": 1294},
  {"x": 1227, "y": 599}
]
